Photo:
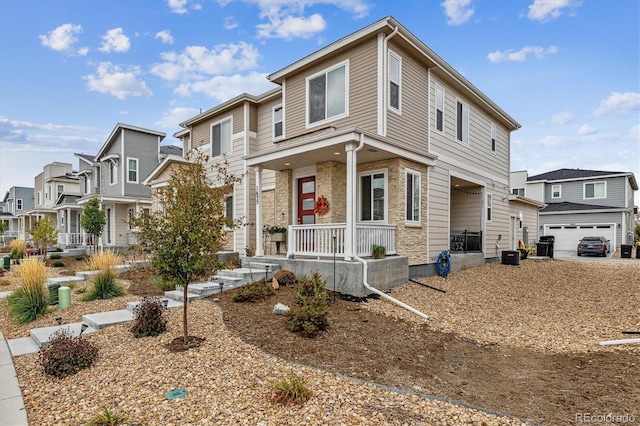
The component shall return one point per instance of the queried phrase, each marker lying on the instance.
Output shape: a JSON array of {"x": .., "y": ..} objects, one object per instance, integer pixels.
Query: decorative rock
[{"x": 280, "y": 309}]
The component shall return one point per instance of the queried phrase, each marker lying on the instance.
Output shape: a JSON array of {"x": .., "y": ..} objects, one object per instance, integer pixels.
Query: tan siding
[
  {"x": 201, "y": 132},
  {"x": 253, "y": 118},
  {"x": 468, "y": 205},
  {"x": 438, "y": 212},
  {"x": 410, "y": 127},
  {"x": 265, "y": 123}
]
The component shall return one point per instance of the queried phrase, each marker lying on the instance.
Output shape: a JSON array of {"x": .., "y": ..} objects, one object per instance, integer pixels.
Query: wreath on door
[{"x": 321, "y": 206}]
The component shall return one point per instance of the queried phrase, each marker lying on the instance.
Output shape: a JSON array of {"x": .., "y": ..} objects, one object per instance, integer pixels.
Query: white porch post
[
  {"x": 259, "y": 249},
  {"x": 350, "y": 233}
]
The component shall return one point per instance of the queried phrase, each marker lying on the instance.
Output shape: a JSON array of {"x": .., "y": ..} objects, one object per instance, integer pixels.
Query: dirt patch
[{"x": 551, "y": 387}]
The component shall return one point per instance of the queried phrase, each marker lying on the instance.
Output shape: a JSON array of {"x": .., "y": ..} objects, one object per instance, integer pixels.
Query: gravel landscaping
[{"x": 494, "y": 335}]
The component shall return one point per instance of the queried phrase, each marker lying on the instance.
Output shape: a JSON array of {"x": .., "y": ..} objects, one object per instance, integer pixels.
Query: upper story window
[
  {"x": 595, "y": 190},
  {"x": 39, "y": 197},
  {"x": 413, "y": 196},
  {"x": 327, "y": 94},
  {"x": 462, "y": 123},
  {"x": 221, "y": 137},
  {"x": 518, "y": 191},
  {"x": 439, "y": 108},
  {"x": 19, "y": 204},
  {"x": 60, "y": 190},
  {"x": 493, "y": 137},
  {"x": 373, "y": 199},
  {"x": 87, "y": 184},
  {"x": 556, "y": 191},
  {"x": 132, "y": 170},
  {"x": 395, "y": 80},
  {"x": 113, "y": 172},
  {"x": 278, "y": 129},
  {"x": 47, "y": 195},
  {"x": 489, "y": 207}
]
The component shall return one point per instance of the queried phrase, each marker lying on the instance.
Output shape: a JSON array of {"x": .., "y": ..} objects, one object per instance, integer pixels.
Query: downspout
[
  {"x": 386, "y": 296},
  {"x": 385, "y": 78}
]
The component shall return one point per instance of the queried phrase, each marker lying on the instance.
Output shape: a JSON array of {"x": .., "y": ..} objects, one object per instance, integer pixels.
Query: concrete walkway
[{"x": 11, "y": 402}]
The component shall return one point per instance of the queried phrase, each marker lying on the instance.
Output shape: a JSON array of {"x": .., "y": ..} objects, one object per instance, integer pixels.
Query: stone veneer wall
[
  {"x": 283, "y": 193},
  {"x": 331, "y": 181}
]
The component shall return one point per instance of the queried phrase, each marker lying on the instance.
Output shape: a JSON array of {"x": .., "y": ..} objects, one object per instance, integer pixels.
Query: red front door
[{"x": 306, "y": 198}]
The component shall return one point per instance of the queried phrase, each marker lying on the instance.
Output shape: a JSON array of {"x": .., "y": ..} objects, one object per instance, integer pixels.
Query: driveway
[{"x": 572, "y": 255}]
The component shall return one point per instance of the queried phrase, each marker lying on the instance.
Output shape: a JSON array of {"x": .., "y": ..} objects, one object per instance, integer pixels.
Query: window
[
  {"x": 19, "y": 204},
  {"x": 87, "y": 184},
  {"x": 439, "y": 108},
  {"x": 221, "y": 138},
  {"x": 132, "y": 170},
  {"x": 327, "y": 94},
  {"x": 277, "y": 122},
  {"x": 555, "y": 191},
  {"x": 395, "y": 79},
  {"x": 489, "y": 207},
  {"x": 595, "y": 190},
  {"x": 228, "y": 208},
  {"x": 493, "y": 137},
  {"x": 113, "y": 173},
  {"x": 39, "y": 198},
  {"x": 462, "y": 123},
  {"x": 518, "y": 191},
  {"x": 372, "y": 196},
  {"x": 60, "y": 190},
  {"x": 413, "y": 196},
  {"x": 131, "y": 216},
  {"x": 48, "y": 194}
]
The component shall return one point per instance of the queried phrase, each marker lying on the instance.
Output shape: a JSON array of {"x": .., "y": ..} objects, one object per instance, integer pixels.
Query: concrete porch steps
[
  {"x": 105, "y": 319},
  {"x": 41, "y": 336}
]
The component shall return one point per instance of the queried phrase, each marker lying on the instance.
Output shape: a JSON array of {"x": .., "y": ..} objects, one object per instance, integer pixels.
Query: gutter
[{"x": 386, "y": 296}]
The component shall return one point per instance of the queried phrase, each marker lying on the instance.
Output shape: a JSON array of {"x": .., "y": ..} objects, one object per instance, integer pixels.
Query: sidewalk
[{"x": 11, "y": 403}]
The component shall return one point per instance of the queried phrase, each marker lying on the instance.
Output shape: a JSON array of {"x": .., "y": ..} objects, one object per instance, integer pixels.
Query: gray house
[
  {"x": 581, "y": 203},
  {"x": 17, "y": 200}
]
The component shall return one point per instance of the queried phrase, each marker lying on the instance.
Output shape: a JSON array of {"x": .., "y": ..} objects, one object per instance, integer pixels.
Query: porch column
[
  {"x": 350, "y": 234},
  {"x": 259, "y": 250}
]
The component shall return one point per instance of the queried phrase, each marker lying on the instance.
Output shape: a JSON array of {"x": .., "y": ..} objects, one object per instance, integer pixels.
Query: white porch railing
[
  {"x": 71, "y": 239},
  {"x": 318, "y": 239}
]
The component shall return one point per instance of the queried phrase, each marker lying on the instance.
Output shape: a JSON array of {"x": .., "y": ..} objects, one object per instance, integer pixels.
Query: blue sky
[{"x": 567, "y": 70}]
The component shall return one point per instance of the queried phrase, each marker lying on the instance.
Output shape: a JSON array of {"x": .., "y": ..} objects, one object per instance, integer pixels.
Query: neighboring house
[
  {"x": 52, "y": 188},
  {"x": 408, "y": 153},
  {"x": 115, "y": 177},
  {"x": 581, "y": 203},
  {"x": 17, "y": 200}
]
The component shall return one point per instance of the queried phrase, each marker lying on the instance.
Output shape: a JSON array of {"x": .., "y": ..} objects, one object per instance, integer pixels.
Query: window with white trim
[
  {"x": 48, "y": 193},
  {"x": 132, "y": 170},
  {"x": 412, "y": 190},
  {"x": 373, "y": 199},
  {"x": 327, "y": 94},
  {"x": 60, "y": 191},
  {"x": 87, "y": 184},
  {"x": 19, "y": 204},
  {"x": 439, "y": 108},
  {"x": 395, "y": 80},
  {"x": 556, "y": 191},
  {"x": 595, "y": 190},
  {"x": 131, "y": 216},
  {"x": 489, "y": 207},
  {"x": 228, "y": 208},
  {"x": 462, "y": 123},
  {"x": 221, "y": 138},
  {"x": 518, "y": 191},
  {"x": 278, "y": 124},
  {"x": 39, "y": 198},
  {"x": 493, "y": 137},
  {"x": 113, "y": 172}
]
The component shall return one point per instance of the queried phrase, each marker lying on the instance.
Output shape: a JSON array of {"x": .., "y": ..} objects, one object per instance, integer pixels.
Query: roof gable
[
  {"x": 568, "y": 174},
  {"x": 121, "y": 126}
]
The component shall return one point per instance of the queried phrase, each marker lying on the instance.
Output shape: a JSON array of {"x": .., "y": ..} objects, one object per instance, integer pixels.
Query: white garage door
[{"x": 567, "y": 237}]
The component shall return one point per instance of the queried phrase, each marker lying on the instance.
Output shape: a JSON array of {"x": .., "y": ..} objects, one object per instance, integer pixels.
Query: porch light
[
  {"x": 336, "y": 153},
  {"x": 287, "y": 164}
]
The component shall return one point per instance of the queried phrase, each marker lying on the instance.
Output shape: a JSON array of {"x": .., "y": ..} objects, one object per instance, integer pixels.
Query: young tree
[
  {"x": 185, "y": 234},
  {"x": 44, "y": 234},
  {"x": 93, "y": 220}
]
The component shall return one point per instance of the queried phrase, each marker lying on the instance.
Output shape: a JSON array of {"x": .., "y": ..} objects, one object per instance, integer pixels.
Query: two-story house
[
  {"x": 406, "y": 151},
  {"x": 17, "y": 200},
  {"x": 115, "y": 175},
  {"x": 52, "y": 190},
  {"x": 581, "y": 203}
]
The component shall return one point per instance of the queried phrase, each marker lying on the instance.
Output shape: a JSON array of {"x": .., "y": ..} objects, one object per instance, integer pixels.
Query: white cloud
[
  {"x": 619, "y": 103},
  {"x": 224, "y": 88},
  {"x": 586, "y": 130},
  {"x": 177, "y": 6},
  {"x": 173, "y": 116},
  {"x": 230, "y": 22},
  {"x": 165, "y": 36},
  {"x": 115, "y": 41},
  {"x": 112, "y": 80},
  {"x": 291, "y": 27},
  {"x": 457, "y": 11},
  {"x": 200, "y": 62},
  {"x": 520, "y": 55},
  {"x": 62, "y": 38},
  {"x": 561, "y": 118},
  {"x": 547, "y": 10}
]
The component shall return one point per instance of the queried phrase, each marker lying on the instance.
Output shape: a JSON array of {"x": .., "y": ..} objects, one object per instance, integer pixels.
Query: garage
[{"x": 567, "y": 236}]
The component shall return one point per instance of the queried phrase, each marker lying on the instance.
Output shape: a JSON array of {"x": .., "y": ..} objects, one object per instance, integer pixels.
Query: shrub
[
  {"x": 309, "y": 315},
  {"x": 285, "y": 277},
  {"x": 148, "y": 318},
  {"x": 107, "y": 418},
  {"x": 31, "y": 299},
  {"x": 58, "y": 264},
  {"x": 80, "y": 257},
  {"x": 55, "y": 256},
  {"x": 18, "y": 248},
  {"x": 255, "y": 291},
  {"x": 105, "y": 285},
  {"x": 292, "y": 390},
  {"x": 163, "y": 284},
  {"x": 66, "y": 355},
  {"x": 378, "y": 252}
]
